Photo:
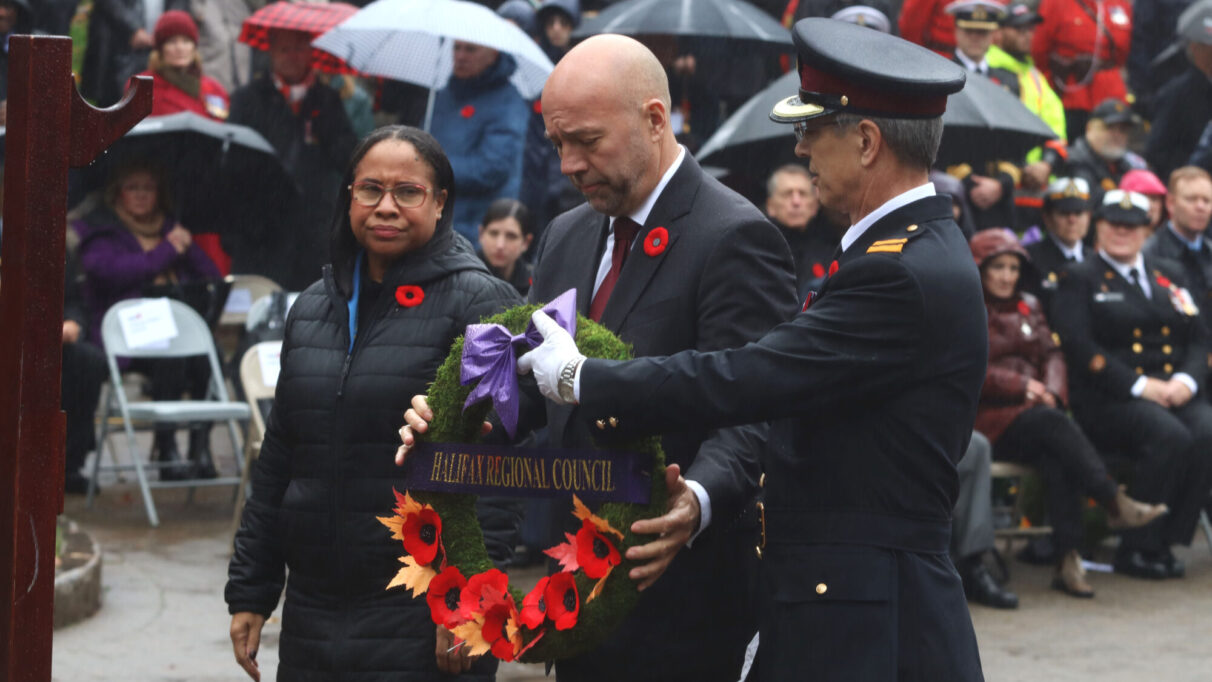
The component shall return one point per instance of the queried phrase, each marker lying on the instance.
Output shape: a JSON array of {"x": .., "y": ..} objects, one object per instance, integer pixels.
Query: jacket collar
[{"x": 896, "y": 224}]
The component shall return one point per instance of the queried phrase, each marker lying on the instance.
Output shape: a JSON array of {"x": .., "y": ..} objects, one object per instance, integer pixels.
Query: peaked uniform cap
[
  {"x": 845, "y": 67},
  {"x": 1068, "y": 195},
  {"x": 1124, "y": 208},
  {"x": 983, "y": 15}
]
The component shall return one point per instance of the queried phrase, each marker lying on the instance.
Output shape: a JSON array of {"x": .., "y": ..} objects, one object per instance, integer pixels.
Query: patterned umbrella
[{"x": 304, "y": 17}]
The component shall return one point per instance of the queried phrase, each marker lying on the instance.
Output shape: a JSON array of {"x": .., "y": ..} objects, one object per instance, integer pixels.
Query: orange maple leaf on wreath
[
  {"x": 413, "y": 576},
  {"x": 582, "y": 513}
]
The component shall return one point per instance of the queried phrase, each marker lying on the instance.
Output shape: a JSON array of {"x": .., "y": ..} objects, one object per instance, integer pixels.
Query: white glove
[{"x": 548, "y": 360}]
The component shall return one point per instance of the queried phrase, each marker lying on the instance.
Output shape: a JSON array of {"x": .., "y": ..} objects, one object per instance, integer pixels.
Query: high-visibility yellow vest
[{"x": 1034, "y": 91}]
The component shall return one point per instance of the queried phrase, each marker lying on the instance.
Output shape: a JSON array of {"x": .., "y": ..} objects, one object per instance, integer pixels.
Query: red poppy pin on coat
[
  {"x": 833, "y": 268},
  {"x": 468, "y": 111},
  {"x": 818, "y": 270},
  {"x": 409, "y": 295},
  {"x": 656, "y": 241},
  {"x": 1164, "y": 281}
]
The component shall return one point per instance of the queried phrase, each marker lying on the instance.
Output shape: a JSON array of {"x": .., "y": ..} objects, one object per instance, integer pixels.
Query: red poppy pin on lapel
[
  {"x": 656, "y": 241},
  {"x": 833, "y": 268},
  {"x": 1164, "y": 281},
  {"x": 1024, "y": 309},
  {"x": 818, "y": 270},
  {"x": 468, "y": 111},
  {"x": 409, "y": 295}
]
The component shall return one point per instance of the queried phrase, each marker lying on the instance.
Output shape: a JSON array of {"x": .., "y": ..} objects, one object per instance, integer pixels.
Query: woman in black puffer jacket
[{"x": 359, "y": 344}]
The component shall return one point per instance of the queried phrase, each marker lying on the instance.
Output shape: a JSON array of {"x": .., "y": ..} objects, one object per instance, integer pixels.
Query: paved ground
[{"x": 163, "y": 616}]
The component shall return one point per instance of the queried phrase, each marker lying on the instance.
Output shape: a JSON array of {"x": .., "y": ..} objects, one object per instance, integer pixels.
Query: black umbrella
[
  {"x": 221, "y": 175},
  {"x": 1195, "y": 23},
  {"x": 982, "y": 122},
  {"x": 734, "y": 20}
]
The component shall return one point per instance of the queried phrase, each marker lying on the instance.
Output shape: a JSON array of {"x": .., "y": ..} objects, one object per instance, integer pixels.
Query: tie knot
[
  {"x": 625, "y": 229},
  {"x": 1135, "y": 275}
]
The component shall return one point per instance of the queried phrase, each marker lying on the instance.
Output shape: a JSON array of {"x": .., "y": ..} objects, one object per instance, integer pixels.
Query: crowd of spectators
[{"x": 1100, "y": 336}]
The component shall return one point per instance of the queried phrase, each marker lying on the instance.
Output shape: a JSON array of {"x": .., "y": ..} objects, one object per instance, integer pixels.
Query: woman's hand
[
  {"x": 180, "y": 238},
  {"x": 417, "y": 420},
  {"x": 1036, "y": 391},
  {"x": 245, "y": 639},
  {"x": 452, "y": 662}
]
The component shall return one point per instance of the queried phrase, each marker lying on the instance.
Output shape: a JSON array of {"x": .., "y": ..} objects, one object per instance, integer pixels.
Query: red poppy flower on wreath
[
  {"x": 1164, "y": 281},
  {"x": 534, "y": 605},
  {"x": 595, "y": 554},
  {"x": 563, "y": 602},
  {"x": 1024, "y": 309},
  {"x": 467, "y": 111},
  {"x": 501, "y": 630},
  {"x": 422, "y": 535},
  {"x": 444, "y": 595},
  {"x": 482, "y": 591},
  {"x": 410, "y": 295},
  {"x": 656, "y": 241},
  {"x": 818, "y": 270}
]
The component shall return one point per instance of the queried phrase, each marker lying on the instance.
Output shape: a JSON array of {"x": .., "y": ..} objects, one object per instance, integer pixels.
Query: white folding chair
[
  {"x": 193, "y": 339},
  {"x": 245, "y": 291},
  {"x": 256, "y": 389}
]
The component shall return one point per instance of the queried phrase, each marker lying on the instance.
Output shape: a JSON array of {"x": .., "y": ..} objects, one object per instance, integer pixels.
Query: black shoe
[
  {"x": 199, "y": 452},
  {"x": 980, "y": 587},
  {"x": 1134, "y": 563},
  {"x": 1173, "y": 565},
  {"x": 76, "y": 483},
  {"x": 164, "y": 449}
]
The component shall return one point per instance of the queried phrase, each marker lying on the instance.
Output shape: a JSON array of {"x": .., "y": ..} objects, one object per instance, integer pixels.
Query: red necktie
[{"x": 625, "y": 230}]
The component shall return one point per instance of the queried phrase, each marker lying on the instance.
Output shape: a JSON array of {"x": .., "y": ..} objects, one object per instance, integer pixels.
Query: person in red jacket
[
  {"x": 927, "y": 23},
  {"x": 1022, "y": 406},
  {"x": 176, "y": 71},
  {"x": 1082, "y": 46}
]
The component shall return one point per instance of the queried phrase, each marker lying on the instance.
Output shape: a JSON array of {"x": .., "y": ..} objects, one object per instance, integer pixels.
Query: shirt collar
[
  {"x": 856, "y": 230},
  {"x": 1193, "y": 244},
  {"x": 1125, "y": 269},
  {"x": 1074, "y": 252},
  {"x": 979, "y": 67},
  {"x": 641, "y": 213}
]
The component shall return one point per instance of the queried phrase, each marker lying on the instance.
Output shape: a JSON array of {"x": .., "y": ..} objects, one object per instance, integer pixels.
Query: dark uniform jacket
[
  {"x": 1102, "y": 175},
  {"x": 1196, "y": 265},
  {"x": 1049, "y": 262},
  {"x": 874, "y": 388},
  {"x": 325, "y": 470},
  {"x": 1112, "y": 334},
  {"x": 724, "y": 278}
]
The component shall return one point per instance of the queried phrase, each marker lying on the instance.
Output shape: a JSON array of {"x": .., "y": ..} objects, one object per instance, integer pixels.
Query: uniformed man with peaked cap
[
  {"x": 872, "y": 389},
  {"x": 1066, "y": 218}
]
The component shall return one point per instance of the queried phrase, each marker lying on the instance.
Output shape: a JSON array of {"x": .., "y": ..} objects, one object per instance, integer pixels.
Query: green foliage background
[{"x": 461, "y": 534}]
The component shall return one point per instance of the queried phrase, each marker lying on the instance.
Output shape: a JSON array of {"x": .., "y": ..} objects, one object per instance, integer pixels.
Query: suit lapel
[
  {"x": 575, "y": 265},
  {"x": 671, "y": 208}
]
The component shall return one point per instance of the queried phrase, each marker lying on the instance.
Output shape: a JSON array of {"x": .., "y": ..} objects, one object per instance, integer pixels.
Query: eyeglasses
[
  {"x": 405, "y": 194},
  {"x": 801, "y": 129}
]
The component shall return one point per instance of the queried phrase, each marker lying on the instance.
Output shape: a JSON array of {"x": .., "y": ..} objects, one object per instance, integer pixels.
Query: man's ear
[
  {"x": 871, "y": 141},
  {"x": 657, "y": 116}
]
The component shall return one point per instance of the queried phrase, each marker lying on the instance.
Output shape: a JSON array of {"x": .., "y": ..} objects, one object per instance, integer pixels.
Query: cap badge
[
  {"x": 1071, "y": 190},
  {"x": 844, "y": 100},
  {"x": 1126, "y": 202},
  {"x": 980, "y": 14}
]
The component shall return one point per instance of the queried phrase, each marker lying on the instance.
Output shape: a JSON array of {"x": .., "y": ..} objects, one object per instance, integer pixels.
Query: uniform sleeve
[
  {"x": 1073, "y": 319},
  {"x": 859, "y": 340}
]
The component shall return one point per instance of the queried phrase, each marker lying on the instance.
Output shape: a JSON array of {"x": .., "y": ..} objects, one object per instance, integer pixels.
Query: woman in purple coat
[{"x": 129, "y": 243}]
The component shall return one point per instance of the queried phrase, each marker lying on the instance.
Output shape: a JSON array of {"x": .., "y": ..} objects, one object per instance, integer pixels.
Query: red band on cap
[{"x": 862, "y": 98}]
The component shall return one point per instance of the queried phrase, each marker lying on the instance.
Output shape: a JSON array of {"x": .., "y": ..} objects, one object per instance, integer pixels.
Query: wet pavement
[{"x": 163, "y": 615}]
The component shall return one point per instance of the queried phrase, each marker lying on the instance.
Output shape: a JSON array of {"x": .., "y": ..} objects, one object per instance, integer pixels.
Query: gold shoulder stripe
[
  {"x": 886, "y": 248},
  {"x": 888, "y": 242}
]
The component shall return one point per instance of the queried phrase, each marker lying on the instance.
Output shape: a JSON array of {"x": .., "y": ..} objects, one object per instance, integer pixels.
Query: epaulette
[{"x": 888, "y": 245}]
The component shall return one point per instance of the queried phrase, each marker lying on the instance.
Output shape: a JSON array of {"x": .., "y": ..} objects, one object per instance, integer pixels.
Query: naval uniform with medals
[
  {"x": 872, "y": 390},
  {"x": 1114, "y": 333}
]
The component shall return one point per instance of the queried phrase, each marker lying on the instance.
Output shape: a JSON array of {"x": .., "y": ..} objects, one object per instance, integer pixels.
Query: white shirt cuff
[
  {"x": 1187, "y": 381},
  {"x": 1138, "y": 388},
  {"x": 704, "y": 508}
]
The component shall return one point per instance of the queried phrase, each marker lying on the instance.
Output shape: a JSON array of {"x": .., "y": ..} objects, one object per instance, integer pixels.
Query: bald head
[{"x": 606, "y": 110}]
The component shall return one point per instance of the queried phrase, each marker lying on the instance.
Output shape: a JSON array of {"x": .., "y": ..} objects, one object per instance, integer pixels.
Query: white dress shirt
[
  {"x": 904, "y": 199},
  {"x": 1074, "y": 252},
  {"x": 1125, "y": 271},
  {"x": 981, "y": 67}
]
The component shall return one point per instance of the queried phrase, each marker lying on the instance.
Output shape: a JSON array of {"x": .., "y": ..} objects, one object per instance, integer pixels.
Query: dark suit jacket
[
  {"x": 1197, "y": 267},
  {"x": 1112, "y": 334},
  {"x": 1048, "y": 262},
  {"x": 1182, "y": 109},
  {"x": 875, "y": 390},
  {"x": 725, "y": 278}
]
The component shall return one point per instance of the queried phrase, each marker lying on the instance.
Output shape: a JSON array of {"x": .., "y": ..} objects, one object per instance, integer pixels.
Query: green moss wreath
[{"x": 462, "y": 543}]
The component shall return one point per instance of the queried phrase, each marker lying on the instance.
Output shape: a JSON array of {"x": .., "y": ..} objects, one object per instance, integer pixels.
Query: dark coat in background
[
  {"x": 109, "y": 60},
  {"x": 873, "y": 390},
  {"x": 315, "y": 144},
  {"x": 326, "y": 470},
  {"x": 724, "y": 279},
  {"x": 1181, "y": 111},
  {"x": 1101, "y": 174}
]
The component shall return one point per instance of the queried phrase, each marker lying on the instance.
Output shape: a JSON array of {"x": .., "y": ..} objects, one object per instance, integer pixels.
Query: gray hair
[
  {"x": 914, "y": 141},
  {"x": 785, "y": 169}
]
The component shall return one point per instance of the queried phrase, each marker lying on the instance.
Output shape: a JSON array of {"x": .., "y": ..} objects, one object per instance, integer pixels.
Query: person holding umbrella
[
  {"x": 306, "y": 123},
  {"x": 176, "y": 71}
]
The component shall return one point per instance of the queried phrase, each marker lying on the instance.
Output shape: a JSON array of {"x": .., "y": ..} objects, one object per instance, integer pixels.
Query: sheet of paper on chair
[
  {"x": 269, "y": 356},
  {"x": 148, "y": 325},
  {"x": 1097, "y": 567},
  {"x": 238, "y": 301}
]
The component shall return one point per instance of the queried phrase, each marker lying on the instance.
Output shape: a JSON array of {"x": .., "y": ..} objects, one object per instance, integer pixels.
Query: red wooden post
[{"x": 50, "y": 127}]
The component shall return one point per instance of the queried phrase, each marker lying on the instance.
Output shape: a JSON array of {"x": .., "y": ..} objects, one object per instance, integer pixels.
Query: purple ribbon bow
[{"x": 489, "y": 355}]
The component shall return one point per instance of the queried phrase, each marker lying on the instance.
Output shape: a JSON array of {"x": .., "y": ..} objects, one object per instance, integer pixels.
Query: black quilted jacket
[{"x": 326, "y": 470}]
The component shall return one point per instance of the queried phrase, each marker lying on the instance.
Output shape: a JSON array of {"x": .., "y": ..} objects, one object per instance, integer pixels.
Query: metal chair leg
[
  {"x": 102, "y": 440},
  {"x": 1207, "y": 526},
  {"x": 132, "y": 450}
]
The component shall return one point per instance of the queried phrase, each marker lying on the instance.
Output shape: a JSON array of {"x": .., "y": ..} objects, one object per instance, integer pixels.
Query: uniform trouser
[
  {"x": 83, "y": 373},
  {"x": 1171, "y": 450},
  {"x": 972, "y": 519},
  {"x": 1047, "y": 439}
]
